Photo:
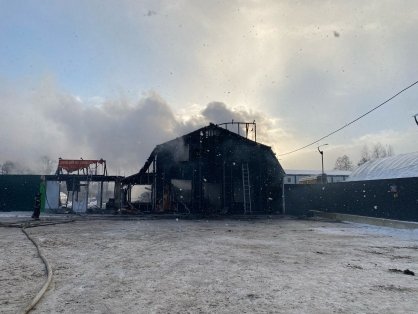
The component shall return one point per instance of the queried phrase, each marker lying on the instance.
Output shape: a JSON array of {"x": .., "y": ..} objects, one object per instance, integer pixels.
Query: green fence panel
[{"x": 17, "y": 192}]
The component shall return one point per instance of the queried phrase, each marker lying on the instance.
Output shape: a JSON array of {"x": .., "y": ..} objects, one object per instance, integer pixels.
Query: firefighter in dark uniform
[{"x": 37, "y": 207}]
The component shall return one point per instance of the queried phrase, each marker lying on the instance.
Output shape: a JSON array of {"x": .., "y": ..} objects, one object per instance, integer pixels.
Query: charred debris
[
  {"x": 82, "y": 186},
  {"x": 215, "y": 170}
]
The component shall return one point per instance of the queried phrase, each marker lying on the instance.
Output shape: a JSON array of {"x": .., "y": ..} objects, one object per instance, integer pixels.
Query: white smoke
[{"x": 42, "y": 125}]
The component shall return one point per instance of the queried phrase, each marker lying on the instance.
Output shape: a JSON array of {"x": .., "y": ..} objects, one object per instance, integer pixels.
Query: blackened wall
[
  {"x": 392, "y": 199},
  {"x": 213, "y": 165},
  {"x": 17, "y": 192}
]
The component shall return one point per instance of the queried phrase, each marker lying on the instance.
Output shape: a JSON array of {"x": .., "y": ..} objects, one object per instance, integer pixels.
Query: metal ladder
[
  {"x": 227, "y": 188},
  {"x": 246, "y": 188}
]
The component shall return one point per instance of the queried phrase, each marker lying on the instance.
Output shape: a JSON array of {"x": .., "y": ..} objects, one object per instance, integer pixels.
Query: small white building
[{"x": 296, "y": 176}]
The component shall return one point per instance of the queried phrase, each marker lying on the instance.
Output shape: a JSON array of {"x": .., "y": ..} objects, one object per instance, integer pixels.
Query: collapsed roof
[
  {"x": 211, "y": 170},
  {"x": 136, "y": 178}
]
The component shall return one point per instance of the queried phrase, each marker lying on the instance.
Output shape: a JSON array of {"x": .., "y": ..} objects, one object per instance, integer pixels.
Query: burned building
[
  {"x": 81, "y": 186},
  {"x": 210, "y": 171}
]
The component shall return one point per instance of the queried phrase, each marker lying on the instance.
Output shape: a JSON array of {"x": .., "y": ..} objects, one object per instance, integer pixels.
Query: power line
[{"x": 348, "y": 124}]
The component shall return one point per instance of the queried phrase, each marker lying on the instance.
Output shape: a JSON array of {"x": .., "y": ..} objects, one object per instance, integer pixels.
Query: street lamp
[
  {"x": 322, "y": 159},
  {"x": 416, "y": 118}
]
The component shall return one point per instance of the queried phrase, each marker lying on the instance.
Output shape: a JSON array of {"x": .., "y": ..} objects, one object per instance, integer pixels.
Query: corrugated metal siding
[
  {"x": 17, "y": 192},
  {"x": 392, "y": 199}
]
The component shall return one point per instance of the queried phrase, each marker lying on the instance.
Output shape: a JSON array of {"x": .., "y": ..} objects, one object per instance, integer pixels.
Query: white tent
[{"x": 400, "y": 166}]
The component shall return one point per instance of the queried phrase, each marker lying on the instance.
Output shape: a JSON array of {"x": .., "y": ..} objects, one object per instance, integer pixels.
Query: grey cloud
[
  {"x": 216, "y": 112},
  {"x": 219, "y": 113},
  {"x": 120, "y": 131}
]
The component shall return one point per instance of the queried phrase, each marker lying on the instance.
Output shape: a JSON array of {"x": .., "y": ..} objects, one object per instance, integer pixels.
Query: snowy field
[{"x": 224, "y": 266}]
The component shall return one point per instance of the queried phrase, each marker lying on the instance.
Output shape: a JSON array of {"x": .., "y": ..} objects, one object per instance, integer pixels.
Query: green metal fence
[
  {"x": 391, "y": 198},
  {"x": 17, "y": 192}
]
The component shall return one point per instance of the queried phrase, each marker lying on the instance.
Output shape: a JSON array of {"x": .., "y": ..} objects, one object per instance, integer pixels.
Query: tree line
[
  {"x": 376, "y": 151},
  {"x": 45, "y": 165}
]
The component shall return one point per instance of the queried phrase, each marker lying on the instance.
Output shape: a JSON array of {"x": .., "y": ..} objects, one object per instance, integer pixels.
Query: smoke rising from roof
[{"x": 47, "y": 121}]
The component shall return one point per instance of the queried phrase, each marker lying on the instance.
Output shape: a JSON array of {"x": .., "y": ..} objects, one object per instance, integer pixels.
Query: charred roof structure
[
  {"x": 82, "y": 186},
  {"x": 211, "y": 171}
]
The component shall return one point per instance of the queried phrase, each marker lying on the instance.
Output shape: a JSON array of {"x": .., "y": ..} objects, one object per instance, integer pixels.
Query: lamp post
[
  {"x": 322, "y": 160},
  {"x": 416, "y": 118}
]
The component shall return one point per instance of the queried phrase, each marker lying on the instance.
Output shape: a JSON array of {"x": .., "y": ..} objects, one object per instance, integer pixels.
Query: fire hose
[
  {"x": 41, "y": 292},
  {"x": 48, "y": 267}
]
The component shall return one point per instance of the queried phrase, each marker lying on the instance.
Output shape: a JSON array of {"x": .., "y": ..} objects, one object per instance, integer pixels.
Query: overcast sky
[{"x": 112, "y": 79}]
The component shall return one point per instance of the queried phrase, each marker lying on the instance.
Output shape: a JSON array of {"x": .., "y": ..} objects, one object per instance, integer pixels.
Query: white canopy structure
[{"x": 400, "y": 166}]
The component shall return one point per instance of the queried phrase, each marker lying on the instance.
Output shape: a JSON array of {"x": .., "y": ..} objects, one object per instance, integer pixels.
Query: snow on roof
[
  {"x": 316, "y": 172},
  {"x": 400, "y": 166}
]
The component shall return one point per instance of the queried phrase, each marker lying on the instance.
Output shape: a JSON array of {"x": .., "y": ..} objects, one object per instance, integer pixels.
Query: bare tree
[
  {"x": 389, "y": 150},
  {"x": 9, "y": 167},
  {"x": 47, "y": 165},
  {"x": 365, "y": 155},
  {"x": 14, "y": 167},
  {"x": 377, "y": 151},
  {"x": 343, "y": 163}
]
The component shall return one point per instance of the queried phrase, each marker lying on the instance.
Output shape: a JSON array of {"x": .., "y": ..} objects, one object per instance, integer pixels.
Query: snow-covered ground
[
  {"x": 364, "y": 229},
  {"x": 224, "y": 266}
]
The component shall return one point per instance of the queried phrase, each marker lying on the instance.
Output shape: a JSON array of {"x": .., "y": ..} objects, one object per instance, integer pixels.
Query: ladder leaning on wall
[{"x": 246, "y": 188}]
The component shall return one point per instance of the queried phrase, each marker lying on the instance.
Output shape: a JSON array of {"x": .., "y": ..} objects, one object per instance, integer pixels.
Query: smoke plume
[{"x": 42, "y": 125}]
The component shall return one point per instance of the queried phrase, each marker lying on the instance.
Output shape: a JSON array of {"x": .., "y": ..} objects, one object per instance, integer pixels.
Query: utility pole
[{"x": 322, "y": 160}]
